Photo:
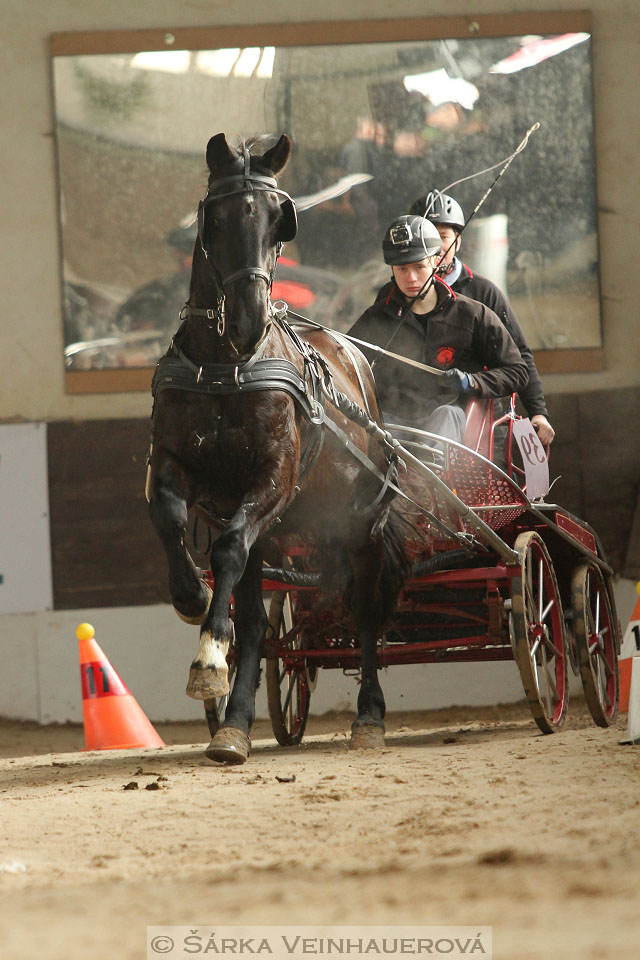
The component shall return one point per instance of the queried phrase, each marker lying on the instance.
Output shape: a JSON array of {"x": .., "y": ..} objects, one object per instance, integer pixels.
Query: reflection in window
[{"x": 374, "y": 126}]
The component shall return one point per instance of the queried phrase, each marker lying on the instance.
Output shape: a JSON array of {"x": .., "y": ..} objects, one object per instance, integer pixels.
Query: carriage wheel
[
  {"x": 288, "y": 689},
  {"x": 538, "y": 634},
  {"x": 214, "y": 709},
  {"x": 595, "y": 634}
]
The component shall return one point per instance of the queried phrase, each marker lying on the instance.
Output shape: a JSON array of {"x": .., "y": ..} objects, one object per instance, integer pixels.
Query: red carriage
[
  {"x": 495, "y": 576},
  {"x": 496, "y": 573}
]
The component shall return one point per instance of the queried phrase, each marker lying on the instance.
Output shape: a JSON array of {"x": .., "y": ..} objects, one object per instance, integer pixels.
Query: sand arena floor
[{"x": 468, "y": 816}]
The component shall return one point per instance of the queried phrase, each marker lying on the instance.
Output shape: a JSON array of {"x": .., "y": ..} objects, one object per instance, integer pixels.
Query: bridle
[{"x": 247, "y": 181}]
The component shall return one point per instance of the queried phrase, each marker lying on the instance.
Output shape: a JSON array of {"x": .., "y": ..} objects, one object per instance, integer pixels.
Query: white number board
[{"x": 534, "y": 458}]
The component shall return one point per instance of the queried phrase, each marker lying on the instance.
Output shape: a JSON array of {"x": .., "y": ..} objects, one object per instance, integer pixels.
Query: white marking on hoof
[
  {"x": 200, "y": 618},
  {"x": 209, "y": 676}
]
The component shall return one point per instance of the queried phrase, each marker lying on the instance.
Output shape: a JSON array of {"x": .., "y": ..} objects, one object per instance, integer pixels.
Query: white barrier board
[{"x": 25, "y": 549}]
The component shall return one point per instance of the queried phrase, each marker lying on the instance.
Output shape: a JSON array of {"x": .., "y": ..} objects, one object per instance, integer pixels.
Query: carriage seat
[
  {"x": 477, "y": 434},
  {"x": 480, "y": 431}
]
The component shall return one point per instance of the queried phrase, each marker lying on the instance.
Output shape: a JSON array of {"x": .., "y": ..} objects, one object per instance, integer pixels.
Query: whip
[{"x": 505, "y": 163}]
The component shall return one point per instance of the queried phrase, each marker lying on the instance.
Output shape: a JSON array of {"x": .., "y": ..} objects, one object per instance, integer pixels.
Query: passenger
[
  {"x": 448, "y": 217},
  {"x": 422, "y": 319}
]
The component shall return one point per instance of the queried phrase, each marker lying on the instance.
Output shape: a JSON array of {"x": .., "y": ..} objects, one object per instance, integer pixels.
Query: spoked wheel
[
  {"x": 595, "y": 634},
  {"x": 538, "y": 634},
  {"x": 288, "y": 688},
  {"x": 214, "y": 709}
]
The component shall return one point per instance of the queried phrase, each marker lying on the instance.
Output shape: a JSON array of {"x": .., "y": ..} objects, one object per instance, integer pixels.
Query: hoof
[
  {"x": 206, "y": 683},
  {"x": 229, "y": 746},
  {"x": 366, "y": 736},
  {"x": 200, "y": 618}
]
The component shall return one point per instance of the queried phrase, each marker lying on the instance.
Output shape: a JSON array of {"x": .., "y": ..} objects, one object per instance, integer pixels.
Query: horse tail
[{"x": 396, "y": 566}]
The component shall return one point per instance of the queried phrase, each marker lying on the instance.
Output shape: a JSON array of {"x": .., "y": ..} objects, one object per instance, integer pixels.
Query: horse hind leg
[
  {"x": 367, "y": 730},
  {"x": 199, "y": 618}
]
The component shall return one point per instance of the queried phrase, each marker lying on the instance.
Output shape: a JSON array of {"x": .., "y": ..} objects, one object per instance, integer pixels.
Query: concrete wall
[
  {"x": 151, "y": 650},
  {"x": 38, "y": 651}
]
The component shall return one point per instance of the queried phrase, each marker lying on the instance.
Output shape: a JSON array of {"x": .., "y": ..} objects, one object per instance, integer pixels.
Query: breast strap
[
  {"x": 211, "y": 379},
  {"x": 175, "y": 371}
]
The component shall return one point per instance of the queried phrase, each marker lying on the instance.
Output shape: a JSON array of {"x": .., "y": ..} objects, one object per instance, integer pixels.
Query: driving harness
[
  {"x": 309, "y": 390},
  {"x": 246, "y": 181}
]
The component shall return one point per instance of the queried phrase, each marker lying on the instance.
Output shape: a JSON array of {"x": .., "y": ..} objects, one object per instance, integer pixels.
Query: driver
[
  {"x": 448, "y": 217},
  {"x": 422, "y": 319}
]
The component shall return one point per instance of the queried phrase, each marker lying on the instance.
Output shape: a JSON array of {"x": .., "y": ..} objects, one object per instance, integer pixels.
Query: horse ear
[
  {"x": 276, "y": 158},
  {"x": 218, "y": 152}
]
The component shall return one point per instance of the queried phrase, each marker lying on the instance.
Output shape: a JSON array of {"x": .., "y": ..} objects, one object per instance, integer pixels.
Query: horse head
[{"x": 242, "y": 223}]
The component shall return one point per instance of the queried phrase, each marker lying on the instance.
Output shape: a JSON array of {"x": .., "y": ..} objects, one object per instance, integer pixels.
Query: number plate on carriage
[{"x": 534, "y": 458}]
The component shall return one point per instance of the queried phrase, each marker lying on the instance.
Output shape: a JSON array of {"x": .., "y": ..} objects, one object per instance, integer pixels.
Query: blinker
[{"x": 288, "y": 225}]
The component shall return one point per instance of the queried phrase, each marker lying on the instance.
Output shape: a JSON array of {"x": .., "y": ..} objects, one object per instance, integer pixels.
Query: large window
[{"x": 379, "y": 113}]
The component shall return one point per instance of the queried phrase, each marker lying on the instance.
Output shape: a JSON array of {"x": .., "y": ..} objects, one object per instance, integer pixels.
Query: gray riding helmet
[
  {"x": 439, "y": 208},
  {"x": 410, "y": 239}
]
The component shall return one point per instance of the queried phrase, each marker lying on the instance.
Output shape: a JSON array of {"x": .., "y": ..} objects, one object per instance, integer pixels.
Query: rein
[
  {"x": 381, "y": 351},
  {"x": 176, "y": 371}
]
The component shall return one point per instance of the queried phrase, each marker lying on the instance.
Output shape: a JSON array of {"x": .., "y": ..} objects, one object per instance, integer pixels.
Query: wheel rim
[
  {"x": 288, "y": 691},
  {"x": 596, "y": 643},
  {"x": 539, "y": 637}
]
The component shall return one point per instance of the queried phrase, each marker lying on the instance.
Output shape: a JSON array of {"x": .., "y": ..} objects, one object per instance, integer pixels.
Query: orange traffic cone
[
  {"x": 113, "y": 720},
  {"x": 629, "y": 649}
]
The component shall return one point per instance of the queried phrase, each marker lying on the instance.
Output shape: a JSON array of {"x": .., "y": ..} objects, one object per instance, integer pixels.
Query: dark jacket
[
  {"x": 458, "y": 332},
  {"x": 482, "y": 289}
]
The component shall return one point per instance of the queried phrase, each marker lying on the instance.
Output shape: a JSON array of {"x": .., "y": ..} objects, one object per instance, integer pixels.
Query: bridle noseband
[{"x": 245, "y": 182}]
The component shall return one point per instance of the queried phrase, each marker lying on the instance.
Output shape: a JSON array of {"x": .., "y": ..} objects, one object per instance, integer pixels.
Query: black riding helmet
[
  {"x": 410, "y": 239},
  {"x": 440, "y": 208}
]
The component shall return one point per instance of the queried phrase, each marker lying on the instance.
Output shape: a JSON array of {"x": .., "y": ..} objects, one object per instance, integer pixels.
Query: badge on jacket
[{"x": 445, "y": 356}]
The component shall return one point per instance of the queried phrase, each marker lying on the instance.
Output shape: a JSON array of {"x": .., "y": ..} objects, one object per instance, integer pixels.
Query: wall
[
  {"x": 32, "y": 340},
  {"x": 31, "y": 337},
  {"x": 151, "y": 650}
]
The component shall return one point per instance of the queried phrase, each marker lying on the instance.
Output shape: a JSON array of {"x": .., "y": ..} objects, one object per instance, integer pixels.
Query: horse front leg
[
  {"x": 367, "y": 730},
  {"x": 232, "y": 571},
  {"x": 208, "y": 674},
  {"x": 168, "y": 493},
  {"x": 231, "y": 743}
]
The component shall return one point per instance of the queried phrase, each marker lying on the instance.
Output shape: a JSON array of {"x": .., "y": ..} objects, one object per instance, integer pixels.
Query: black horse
[{"x": 236, "y": 427}]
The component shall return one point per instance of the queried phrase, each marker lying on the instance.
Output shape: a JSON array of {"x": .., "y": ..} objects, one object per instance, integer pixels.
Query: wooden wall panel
[
  {"x": 105, "y": 551},
  {"x": 596, "y": 455}
]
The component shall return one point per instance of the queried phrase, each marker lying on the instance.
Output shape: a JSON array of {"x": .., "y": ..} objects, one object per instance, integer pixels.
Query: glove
[{"x": 457, "y": 380}]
